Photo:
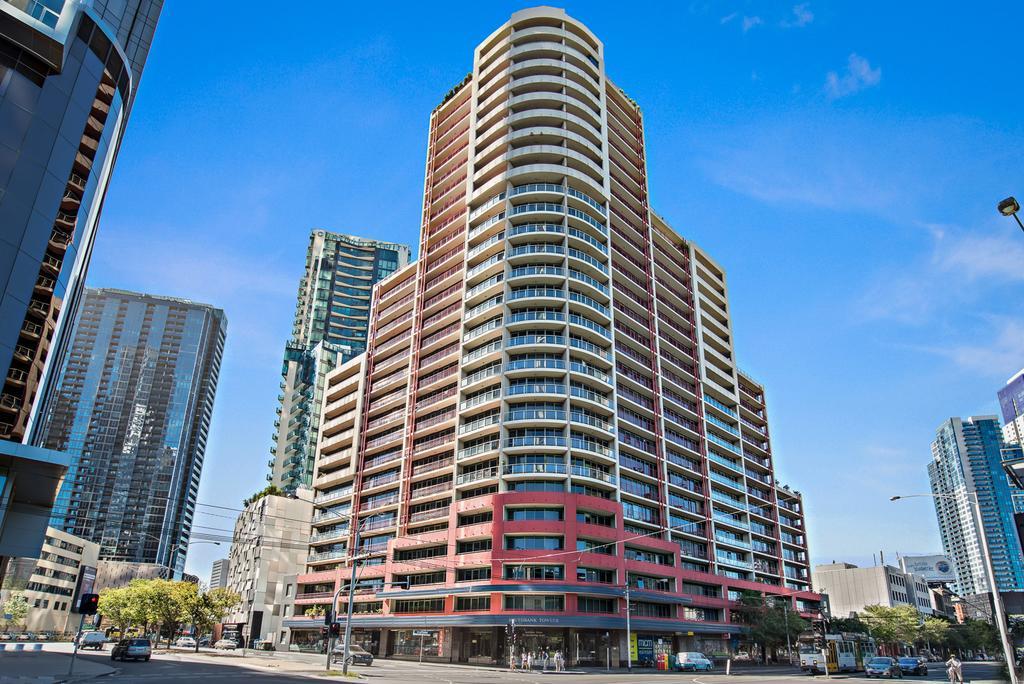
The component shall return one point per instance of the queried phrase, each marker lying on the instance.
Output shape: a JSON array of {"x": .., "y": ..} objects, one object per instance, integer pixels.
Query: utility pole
[{"x": 629, "y": 638}]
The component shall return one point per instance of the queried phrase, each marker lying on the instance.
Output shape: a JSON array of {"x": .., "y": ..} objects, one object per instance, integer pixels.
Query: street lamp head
[
  {"x": 895, "y": 498},
  {"x": 1009, "y": 206}
]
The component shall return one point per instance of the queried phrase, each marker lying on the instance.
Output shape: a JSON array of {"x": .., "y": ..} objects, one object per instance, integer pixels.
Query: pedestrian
[
  {"x": 525, "y": 658},
  {"x": 954, "y": 668},
  {"x": 558, "y": 661},
  {"x": 529, "y": 660},
  {"x": 544, "y": 660}
]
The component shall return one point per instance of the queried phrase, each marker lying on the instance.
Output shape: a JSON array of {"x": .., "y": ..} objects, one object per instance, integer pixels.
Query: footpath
[{"x": 47, "y": 667}]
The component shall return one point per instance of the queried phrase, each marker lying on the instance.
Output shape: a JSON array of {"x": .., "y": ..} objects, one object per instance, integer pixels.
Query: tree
[
  {"x": 204, "y": 609},
  {"x": 891, "y": 625},
  {"x": 933, "y": 631},
  {"x": 769, "y": 623},
  {"x": 121, "y": 607},
  {"x": 269, "y": 490},
  {"x": 16, "y": 606}
]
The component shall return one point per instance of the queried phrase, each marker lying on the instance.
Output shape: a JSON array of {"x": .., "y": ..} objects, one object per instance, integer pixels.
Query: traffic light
[
  {"x": 324, "y": 632},
  {"x": 820, "y": 629},
  {"x": 329, "y": 617},
  {"x": 88, "y": 604},
  {"x": 335, "y": 629}
]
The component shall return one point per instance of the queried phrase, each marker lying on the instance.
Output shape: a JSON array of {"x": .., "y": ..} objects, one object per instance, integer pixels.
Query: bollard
[{"x": 728, "y": 666}]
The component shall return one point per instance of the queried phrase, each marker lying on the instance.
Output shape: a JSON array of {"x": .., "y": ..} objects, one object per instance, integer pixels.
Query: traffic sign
[{"x": 422, "y": 633}]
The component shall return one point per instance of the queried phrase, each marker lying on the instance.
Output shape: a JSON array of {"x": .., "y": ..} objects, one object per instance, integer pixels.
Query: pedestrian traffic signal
[
  {"x": 329, "y": 617},
  {"x": 88, "y": 604},
  {"x": 335, "y": 629}
]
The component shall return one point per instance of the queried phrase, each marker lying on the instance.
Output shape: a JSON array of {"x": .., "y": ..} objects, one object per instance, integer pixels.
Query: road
[{"x": 180, "y": 665}]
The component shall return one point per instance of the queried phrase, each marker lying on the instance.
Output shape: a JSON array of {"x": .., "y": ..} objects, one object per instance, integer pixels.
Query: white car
[
  {"x": 93, "y": 640},
  {"x": 227, "y": 644},
  {"x": 185, "y": 642}
]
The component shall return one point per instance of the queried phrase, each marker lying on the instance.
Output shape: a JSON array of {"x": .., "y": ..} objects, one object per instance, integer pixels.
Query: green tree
[
  {"x": 269, "y": 490},
  {"x": 121, "y": 607},
  {"x": 933, "y": 632},
  {"x": 205, "y": 609},
  {"x": 891, "y": 625},
  {"x": 16, "y": 606},
  {"x": 769, "y": 623}
]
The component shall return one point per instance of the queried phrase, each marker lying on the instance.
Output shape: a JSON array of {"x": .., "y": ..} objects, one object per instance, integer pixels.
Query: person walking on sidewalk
[{"x": 954, "y": 668}]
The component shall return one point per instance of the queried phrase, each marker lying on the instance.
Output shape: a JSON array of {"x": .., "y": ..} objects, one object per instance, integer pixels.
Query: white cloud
[
  {"x": 858, "y": 76},
  {"x": 802, "y": 16},
  {"x": 1001, "y": 354},
  {"x": 751, "y": 22},
  {"x": 727, "y": 18}
]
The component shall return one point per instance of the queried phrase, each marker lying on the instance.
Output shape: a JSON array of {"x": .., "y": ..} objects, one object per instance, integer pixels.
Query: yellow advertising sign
[{"x": 633, "y": 649}]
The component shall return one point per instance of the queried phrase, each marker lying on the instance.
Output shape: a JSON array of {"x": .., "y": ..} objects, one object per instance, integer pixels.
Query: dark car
[
  {"x": 357, "y": 655},
  {"x": 135, "y": 649},
  {"x": 880, "y": 666},
  {"x": 913, "y": 666}
]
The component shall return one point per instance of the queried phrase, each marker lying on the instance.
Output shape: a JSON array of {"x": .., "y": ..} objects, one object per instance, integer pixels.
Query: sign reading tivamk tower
[{"x": 929, "y": 568}]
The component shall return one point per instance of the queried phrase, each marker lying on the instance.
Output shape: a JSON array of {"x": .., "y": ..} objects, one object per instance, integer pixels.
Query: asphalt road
[{"x": 178, "y": 666}]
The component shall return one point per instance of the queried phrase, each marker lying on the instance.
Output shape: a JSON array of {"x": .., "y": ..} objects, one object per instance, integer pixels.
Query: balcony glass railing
[{"x": 719, "y": 405}]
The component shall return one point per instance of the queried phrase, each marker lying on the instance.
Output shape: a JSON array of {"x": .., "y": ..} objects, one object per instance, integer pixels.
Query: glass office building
[
  {"x": 69, "y": 72},
  {"x": 967, "y": 461},
  {"x": 133, "y": 408},
  {"x": 331, "y": 320}
]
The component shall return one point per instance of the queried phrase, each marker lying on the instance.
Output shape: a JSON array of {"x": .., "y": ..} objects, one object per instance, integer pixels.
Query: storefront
[
  {"x": 426, "y": 643},
  {"x": 644, "y": 648},
  {"x": 369, "y": 639}
]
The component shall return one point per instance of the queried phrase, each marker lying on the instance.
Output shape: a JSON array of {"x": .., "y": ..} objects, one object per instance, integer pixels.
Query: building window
[
  {"x": 549, "y": 604},
  {"x": 472, "y": 574},
  {"x": 590, "y": 518},
  {"x": 591, "y": 546},
  {"x": 534, "y": 514},
  {"x": 534, "y": 572},
  {"x": 599, "y": 575},
  {"x": 476, "y": 518},
  {"x": 435, "y": 605},
  {"x": 644, "y": 609},
  {"x": 473, "y": 546},
  {"x": 473, "y": 603},
  {"x": 589, "y": 604},
  {"x": 533, "y": 543}
]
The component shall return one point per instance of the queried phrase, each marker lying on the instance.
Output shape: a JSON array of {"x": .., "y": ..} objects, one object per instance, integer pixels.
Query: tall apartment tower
[
  {"x": 69, "y": 72},
  {"x": 133, "y": 408},
  {"x": 549, "y": 410},
  {"x": 331, "y": 321},
  {"x": 219, "y": 573},
  {"x": 967, "y": 459}
]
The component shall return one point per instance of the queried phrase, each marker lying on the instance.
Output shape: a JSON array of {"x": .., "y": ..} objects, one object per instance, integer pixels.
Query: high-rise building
[
  {"x": 549, "y": 410},
  {"x": 69, "y": 72},
  {"x": 269, "y": 542},
  {"x": 967, "y": 459},
  {"x": 1011, "y": 403},
  {"x": 133, "y": 408},
  {"x": 331, "y": 320},
  {"x": 219, "y": 573}
]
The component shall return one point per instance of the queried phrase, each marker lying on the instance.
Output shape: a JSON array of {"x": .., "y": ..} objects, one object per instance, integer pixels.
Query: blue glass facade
[
  {"x": 133, "y": 409},
  {"x": 967, "y": 462},
  {"x": 68, "y": 75},
  {"x": 332, "y": 317}
]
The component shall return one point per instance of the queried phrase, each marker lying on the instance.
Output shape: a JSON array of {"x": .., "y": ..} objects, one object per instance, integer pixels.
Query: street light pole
[
  {"x": 1010, "y": 207},
  {"x": 351, "y": 600},
  {"x": 990, "y": 576},
  {"x": 629, "y": 638}
]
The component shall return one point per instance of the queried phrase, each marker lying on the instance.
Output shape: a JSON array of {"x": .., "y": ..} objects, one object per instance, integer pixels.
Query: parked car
[
  {"x": 136, "y": 649},
  {"x": 6, "y": 636},
  {"x": 185, "y": 642},
  {"x": 357, "y": 655},
  {"x": 204, "y": 641},
  {"x": 93, "y": 640},
  {"x": 26, "y": 636},
  {"x": 913, "y": 666},
  {"x": 693, "y": 661},
  {"x": 883, "y": 667},
  {"x": 44, "y": 636},
  {"x": 226, "y": 644}
]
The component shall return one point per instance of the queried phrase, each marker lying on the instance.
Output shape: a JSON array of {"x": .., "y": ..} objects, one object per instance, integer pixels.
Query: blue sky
[{"x": 842, "y": 161}]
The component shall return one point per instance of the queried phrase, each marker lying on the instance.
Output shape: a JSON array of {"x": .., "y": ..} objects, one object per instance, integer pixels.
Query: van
[{"x": 94, "y": 640}]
